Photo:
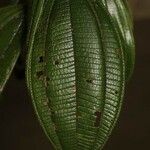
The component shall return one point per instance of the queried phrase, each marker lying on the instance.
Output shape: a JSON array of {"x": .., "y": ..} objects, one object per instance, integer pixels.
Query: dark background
[{"x": 20, "y": 130}]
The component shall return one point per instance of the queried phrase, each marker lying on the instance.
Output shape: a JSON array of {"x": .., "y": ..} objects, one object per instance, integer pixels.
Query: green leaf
[
  {"x": 115, "y": 74},
  {"x": 10, "y": 40},
  {"x": 41, "y": 11},
  {"x": 75, "y": 72},
  {"x": 120, "y": 13}
]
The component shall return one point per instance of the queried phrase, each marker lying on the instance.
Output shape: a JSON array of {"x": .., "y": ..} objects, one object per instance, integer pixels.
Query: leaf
[
  {"x": 10, "y": 40},
  {"x": 120, "y": 12},
  {"x": 41, "y": 11},
  {"x": 75, "y": 72},
  {"x": 115, "y": 74}
]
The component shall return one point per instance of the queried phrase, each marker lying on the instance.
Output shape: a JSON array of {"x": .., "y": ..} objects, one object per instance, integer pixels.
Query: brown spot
[
  {"x": 118, "y": 52},
  {"x": 55, "y": 127},
  {"x": 98, "y": 117},
  {"x": 89, "y": 81}
]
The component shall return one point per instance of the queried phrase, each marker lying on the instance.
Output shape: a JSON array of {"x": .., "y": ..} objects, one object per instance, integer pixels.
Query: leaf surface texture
[{"x": 75, "y": 71}]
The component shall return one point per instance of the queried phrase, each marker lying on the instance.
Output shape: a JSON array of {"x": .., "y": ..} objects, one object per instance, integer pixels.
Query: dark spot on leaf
[
  {"x": 53, "y": 116},
  {"x": 55, "y": 127},
  {"x": 40, "y": 74},
  {"x": 47, "y": 79},
  {"x": 98, "y": 117},
  {"x": 41, "y": 59},
  {"x": 89, "y": 81},
  {"x": 96, "y": 4},
  {"x": 116, "y": 92},
  {"x": 57, "y": 62},
  {"x": 52, "y": 112}
]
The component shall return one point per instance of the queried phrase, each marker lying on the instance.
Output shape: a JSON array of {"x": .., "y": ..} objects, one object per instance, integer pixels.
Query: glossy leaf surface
[{"x": 120, "y": 13}]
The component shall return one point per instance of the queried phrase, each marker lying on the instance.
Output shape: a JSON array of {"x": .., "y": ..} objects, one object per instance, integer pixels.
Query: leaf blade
[
  {"x": 10, "y": 41},
  {"x": 121, "y": 15},
  {"x": 36, "y": 46}
]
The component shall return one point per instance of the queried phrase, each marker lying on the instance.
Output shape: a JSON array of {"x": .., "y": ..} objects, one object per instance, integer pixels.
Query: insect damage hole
[
  {"x": 89, "y": 80},
  {"x": 57, "y": 62},
  {"x": 116, "y": 92},
  {"x": 41, "y": 59},
  {"x": 98, "y": 117}
]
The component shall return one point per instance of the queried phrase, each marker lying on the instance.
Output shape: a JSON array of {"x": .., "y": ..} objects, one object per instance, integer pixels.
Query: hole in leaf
[
  {"x": 41, "y": 59},
  {"x": 57, "y": 62},
  {"x": 116, "y": 92},
  {"x": 98, "y": 117},
  {"x": 89, "y": 81}
]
